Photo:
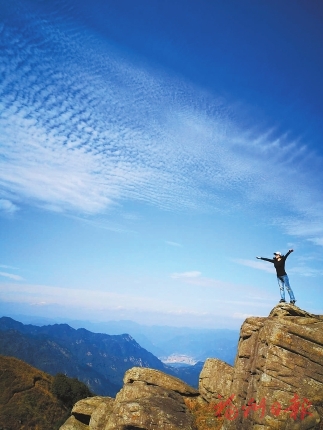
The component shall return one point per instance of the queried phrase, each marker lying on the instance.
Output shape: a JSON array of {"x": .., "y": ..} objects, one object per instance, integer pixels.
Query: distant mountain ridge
[
  {"x": 162, "y": 341},
  {"x": 47, "y": 355},
  {"x": 97, "y": 359}
]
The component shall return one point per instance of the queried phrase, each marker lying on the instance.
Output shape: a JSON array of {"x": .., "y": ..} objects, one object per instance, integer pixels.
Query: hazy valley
[
  {"x": 164, "y": 342},
  {"x": 100, "y": 360}
]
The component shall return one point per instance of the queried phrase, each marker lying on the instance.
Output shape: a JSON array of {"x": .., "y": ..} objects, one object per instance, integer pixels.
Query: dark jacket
[{"x": 279, "y": 265}]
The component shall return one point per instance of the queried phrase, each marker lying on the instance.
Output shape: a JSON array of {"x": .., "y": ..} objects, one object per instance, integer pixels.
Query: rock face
[
  {"x": 210, "y": 387},
  {"x": 277, "y": 379},
  {"x": 276, "y": 383},
  {"x": 90, "y": 413},
  {"x": 149, "y": 400}
]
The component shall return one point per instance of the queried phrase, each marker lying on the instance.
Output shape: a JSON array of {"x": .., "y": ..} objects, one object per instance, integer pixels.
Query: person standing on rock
[{"x": 282, "y": 278}]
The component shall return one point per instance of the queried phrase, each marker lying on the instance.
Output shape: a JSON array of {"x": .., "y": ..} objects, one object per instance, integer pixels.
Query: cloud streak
[
  {"x": 11, "y": 276},
  {"x": 177, "y": 245},
  {"x": 186, "y": 275},
  {"x": 83, "y": 129},
  {"x": 71, "y": 303},
  {"x": 7, "y": 206},
  {"x": 259, "y": 265}
]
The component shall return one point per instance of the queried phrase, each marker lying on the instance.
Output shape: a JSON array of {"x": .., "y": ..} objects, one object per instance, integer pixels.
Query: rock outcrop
[
  {"x": 276, "y": 383},
  {"x": 277, "y": 378},
  {"x": 211, "y": 387},
  {"x": 151, "y": 400},
  {"x": 148, "y": 400}
]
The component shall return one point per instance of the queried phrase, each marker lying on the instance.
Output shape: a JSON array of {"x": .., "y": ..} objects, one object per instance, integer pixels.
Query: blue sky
[{"x": 150, "y": 150}]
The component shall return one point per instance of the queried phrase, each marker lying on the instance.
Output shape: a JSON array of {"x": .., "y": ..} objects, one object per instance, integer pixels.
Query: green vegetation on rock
[{"x": 69, "y": 390}]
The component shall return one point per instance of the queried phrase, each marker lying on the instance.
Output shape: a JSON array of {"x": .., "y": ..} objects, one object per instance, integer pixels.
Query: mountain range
[
  {"x": 197, "y": 344},
  {"x": 97, "y": 359}
]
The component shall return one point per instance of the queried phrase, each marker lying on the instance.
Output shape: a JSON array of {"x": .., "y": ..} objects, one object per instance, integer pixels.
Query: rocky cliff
[
  {"x": 149, "y": 399},
  {"x": 277, "y": 379},
  {"x": 275, "y": 383}
]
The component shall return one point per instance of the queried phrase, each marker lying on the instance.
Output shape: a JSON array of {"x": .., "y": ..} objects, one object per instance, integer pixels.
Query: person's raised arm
[
  {"x": 265, "y": 259},
  {"x": 289, "y": 252}
]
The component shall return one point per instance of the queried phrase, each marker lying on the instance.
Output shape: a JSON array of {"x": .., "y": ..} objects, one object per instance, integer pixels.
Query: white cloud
[
  {"x": 94, "y": 300},
  {"x": 306, "y": 271},
  {"x": 104, "y": 224},
  {"x": 308, "y": 226},
  {"x": 82, "y": 129},
  {"x": 7, "y": 206},
  {"x": 258, "y": 264},
  {"x": 243, "y": 295},
  {"x": 173, "y": 243},
  {"x": 186, "y": 275},
  {"x": 241, "y": 316},
  {"x": 95, "y": 305},
  {"x": 11, "y": 276}
]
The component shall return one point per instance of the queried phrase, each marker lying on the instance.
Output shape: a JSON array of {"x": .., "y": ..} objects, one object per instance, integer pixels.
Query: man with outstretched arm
[{"x": 282, "y": 278}]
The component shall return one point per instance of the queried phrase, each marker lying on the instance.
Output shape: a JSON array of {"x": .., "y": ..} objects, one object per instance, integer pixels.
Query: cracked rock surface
[
  {"x": 278, "y": 373},
  {"x": 149, "y": 400}
]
